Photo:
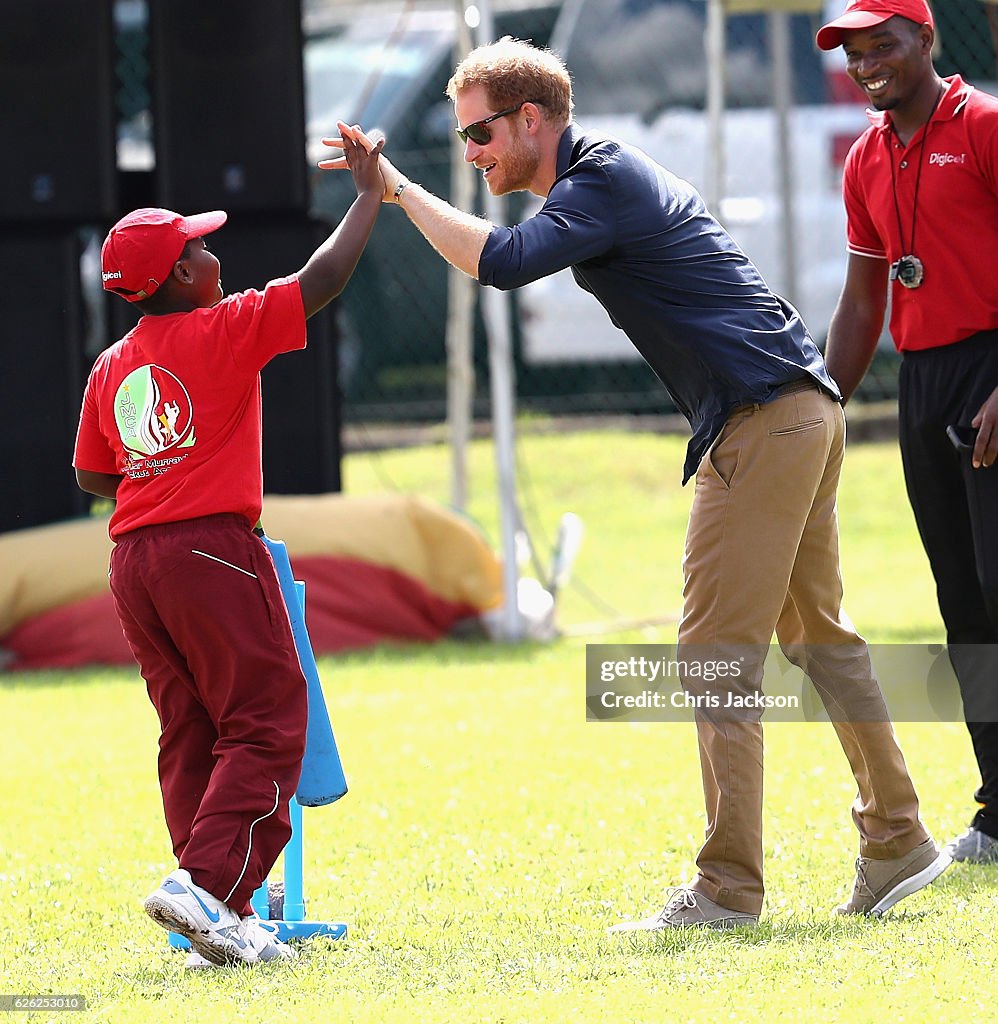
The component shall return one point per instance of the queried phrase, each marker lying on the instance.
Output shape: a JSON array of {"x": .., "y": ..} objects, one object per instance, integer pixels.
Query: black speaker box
[
  {"x": 229, "y": 111},
  {"x": 301, "y": 397},
  {"x": 57, "y": 122},
  {"x": 41, "y": 386},
  {"x": 302, "y": 418}
]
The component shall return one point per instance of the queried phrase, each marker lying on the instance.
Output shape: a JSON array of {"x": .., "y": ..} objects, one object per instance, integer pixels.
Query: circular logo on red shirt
[{"x": 153, "y": 413}]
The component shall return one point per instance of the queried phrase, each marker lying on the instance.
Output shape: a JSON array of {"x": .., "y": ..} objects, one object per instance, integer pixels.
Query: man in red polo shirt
[{"x": 921, "y": 195}]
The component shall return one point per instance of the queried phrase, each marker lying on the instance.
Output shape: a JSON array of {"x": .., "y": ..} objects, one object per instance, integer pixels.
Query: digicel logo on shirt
[
  {"x": 155, "y": 418},
  {"x": 942, "y": 159}
]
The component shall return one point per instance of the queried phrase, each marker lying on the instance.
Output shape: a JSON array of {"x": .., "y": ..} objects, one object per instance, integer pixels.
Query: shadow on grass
[
  {"x": 47, "y": 678},
  {"x": 917, "y": 634},
  {"x": 806, "y": 932},
  {"x": 442, "y": 652}
]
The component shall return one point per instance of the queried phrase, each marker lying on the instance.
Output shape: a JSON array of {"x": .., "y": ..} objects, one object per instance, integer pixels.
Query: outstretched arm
[
  {"x": 459, "y": 237},
  {"x": 329, "y": 268},
  {"x": 856, "y": 322}
]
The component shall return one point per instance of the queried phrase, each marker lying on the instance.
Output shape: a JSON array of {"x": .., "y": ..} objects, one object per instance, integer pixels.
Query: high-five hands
[
  {"x": 353, "y": 139},
  {"x": 361, "y": 156}
]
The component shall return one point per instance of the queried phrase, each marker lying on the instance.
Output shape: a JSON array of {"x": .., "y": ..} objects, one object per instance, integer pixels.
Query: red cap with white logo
[
  {"x": 867, "y": 13},
  {"x": 141, "y": 249}
]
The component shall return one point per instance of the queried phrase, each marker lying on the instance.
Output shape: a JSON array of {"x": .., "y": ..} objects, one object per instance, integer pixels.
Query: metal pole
[
  {"x": 715, "y": 53},
  {"x": 460, "y": 310},
  {"x": 496, "y": 313},
  {"x": 783, "y": 85}
]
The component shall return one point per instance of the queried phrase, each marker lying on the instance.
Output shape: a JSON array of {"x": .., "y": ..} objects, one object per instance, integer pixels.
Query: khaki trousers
[{"x": 761, "y": 556}]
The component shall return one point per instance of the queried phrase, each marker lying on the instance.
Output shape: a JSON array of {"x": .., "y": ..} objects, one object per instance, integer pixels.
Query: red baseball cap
[
  {"x": 140, "y": 250},
  {"x": 867, "y": 13}
]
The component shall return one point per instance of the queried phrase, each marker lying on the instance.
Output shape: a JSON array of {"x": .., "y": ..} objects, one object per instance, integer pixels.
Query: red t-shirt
[
  {"x": 954, "y": 161},
  {"x": 175, "y": 407}
]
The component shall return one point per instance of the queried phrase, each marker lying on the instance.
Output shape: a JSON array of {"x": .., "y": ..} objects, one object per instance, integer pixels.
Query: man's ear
[
  {"x": 533, "y": 117},
  {"x": 928, "y": 38}
]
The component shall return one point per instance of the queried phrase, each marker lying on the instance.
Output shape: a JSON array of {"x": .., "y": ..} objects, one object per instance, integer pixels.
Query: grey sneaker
[
  {"x": 882, "y": 883},
  {"x": 213, "y": 929},
  {"x": 689, "y": 909},
  {"x": 974, "y": 847}
]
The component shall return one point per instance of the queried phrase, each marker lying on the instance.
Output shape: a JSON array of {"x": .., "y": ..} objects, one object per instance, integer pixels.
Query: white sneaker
[
  {"x": 213, "y": 929},
  {"x": 262, "y": 936},
  {"x": 196, "y": 962}
]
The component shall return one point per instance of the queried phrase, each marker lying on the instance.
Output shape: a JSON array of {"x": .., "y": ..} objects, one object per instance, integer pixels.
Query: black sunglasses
[{"x": 478, "y": 133}]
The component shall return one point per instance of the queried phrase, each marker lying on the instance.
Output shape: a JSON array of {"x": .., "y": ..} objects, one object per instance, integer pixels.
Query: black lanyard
[{"x": 909, "y": 269}]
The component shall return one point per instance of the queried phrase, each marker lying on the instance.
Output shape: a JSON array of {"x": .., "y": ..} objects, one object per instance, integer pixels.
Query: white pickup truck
[{"x": 609, "y": 46}]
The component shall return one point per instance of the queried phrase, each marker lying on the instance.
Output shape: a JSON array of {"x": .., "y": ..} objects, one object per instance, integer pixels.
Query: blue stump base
[{"x": 287, "y": 930}]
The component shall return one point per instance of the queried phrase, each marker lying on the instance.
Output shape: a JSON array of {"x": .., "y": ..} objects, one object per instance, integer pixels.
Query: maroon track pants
[{"x": 201, "y": 608}]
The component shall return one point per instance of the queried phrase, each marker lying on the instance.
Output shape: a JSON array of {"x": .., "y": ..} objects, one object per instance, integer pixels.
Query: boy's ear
[{"x": 182, "y": 272}]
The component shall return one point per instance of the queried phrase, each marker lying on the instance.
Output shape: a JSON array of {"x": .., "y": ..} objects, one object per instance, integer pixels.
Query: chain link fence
[{"x": 640, "y": 70}]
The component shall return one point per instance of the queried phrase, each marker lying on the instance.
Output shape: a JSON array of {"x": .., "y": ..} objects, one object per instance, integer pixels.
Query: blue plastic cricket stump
[
  {"x": 292, "y": 923},
  {"x": 322, "y": 779}
]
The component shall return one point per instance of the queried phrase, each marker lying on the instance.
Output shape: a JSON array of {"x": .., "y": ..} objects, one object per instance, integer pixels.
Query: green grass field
[{"x": 491, "y": 835}]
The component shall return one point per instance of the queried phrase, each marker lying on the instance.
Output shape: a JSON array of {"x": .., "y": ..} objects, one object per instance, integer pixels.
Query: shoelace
[
  {"x": 680, "y": 899},
  {"x": 260, "y": 933},
  {"x": 861, "y": 882}
]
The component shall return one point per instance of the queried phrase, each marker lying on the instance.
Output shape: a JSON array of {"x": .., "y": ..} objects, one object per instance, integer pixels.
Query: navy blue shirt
[{"x": 642, "y": 241}]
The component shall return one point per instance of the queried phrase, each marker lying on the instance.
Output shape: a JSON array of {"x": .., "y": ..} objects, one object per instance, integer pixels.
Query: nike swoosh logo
[
  {"x": 232, "y": 934},
  {"x": 212, "y": 915}
]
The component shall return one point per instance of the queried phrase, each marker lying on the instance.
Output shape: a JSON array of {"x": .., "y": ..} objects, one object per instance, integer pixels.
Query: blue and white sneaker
[
  {"x": 262, "y": 936},
  {"x": 213, "y": 929},
  {"x": 196, "y": 962}
]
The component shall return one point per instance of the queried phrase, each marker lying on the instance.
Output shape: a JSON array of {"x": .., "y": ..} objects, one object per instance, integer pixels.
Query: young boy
[{"x": 171, "y": 428}]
